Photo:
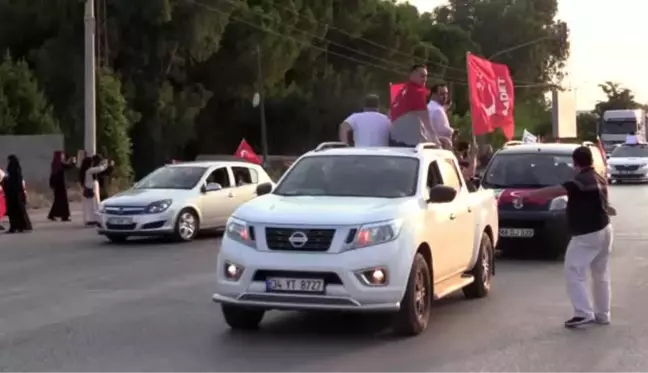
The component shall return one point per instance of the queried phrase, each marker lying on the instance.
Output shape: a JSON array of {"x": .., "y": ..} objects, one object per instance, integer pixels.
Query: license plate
[
  {"x": 120, "y": 221},
  {"x": 516, "y": 232},
  {"x": 624, "y": 172},
  {"x": 294, "y": 285}
]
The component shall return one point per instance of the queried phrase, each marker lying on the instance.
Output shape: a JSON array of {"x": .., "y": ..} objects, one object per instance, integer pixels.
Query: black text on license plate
[
  {"x": 294, "y": 285},
  {"x": 120, "y": 221},
  {"x": 516, "y": 232}
]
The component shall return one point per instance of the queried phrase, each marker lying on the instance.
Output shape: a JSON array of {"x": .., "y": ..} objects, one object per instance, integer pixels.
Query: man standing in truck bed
[{"x": 409, "y": 112}]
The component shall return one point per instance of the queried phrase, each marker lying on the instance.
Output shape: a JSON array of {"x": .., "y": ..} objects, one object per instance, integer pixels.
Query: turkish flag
[
  {"x": 492, "y": 96},
  {"x": 245, "y": 151},
  {"x": 3, "y": 203},
  {"x": 394, "y": 91},
  {"x": 601, "y": 149}
]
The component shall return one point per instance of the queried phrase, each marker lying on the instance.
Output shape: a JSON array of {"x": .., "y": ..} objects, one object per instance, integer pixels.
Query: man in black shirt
[{"x": 588, "y": 214}]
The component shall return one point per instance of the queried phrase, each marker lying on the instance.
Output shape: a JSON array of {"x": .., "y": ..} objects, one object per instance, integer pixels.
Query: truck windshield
[
  {"x": 635, "y": 151},
  {"x": 534, "y": 170},
  {"x": 351, "y": 176},
  {"x": 618, "y": 127}
]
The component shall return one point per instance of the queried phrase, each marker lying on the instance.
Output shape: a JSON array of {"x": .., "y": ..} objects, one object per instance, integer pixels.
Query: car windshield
[
  {"x": 534, "y": 170},
  {"x": 351, "y": 176},
  {"x": 630, "y": 151},
  {"x": 172, "y": 177}
]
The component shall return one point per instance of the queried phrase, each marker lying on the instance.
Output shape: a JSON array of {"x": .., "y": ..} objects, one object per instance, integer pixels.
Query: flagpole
[{"x": 264, "y": 129}]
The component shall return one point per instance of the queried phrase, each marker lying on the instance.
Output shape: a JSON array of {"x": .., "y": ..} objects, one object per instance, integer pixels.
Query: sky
[{"x": 606, "y": 45}]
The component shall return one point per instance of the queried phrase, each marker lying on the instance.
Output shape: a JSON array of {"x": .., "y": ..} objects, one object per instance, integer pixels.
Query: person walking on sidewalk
[
  {"x": 588, "y": 212},
  {"x": 13, "y": 186},
  {"x": 3, "y": 204},
  {"x": 60, "y": 206}
]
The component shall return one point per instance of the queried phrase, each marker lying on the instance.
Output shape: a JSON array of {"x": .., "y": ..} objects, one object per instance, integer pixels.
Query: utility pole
[
  {"x": 90, "y": 114},
  {"x": 261, "y": 90}
]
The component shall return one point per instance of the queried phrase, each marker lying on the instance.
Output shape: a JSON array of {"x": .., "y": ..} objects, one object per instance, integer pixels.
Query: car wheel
[
  {"x": 117, "y": 238},
  {"x": 482, "y": 271},
  {"x": 242, "y": 318},
  {"x": 186, "y": 226},
  {"x": 414, "y": 314}
]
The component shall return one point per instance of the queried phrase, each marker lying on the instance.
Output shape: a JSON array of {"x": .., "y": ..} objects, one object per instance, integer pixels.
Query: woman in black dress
[
  {"x": 60, "y": 207},
  {"x": 15, "y": 196}
]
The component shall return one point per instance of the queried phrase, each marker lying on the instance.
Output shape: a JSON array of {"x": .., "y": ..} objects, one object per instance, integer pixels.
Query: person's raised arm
[{"x": 345, "y": 128}]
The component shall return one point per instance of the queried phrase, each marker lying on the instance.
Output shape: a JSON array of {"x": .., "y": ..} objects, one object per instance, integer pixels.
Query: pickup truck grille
[{"x": 317, "y": 240}]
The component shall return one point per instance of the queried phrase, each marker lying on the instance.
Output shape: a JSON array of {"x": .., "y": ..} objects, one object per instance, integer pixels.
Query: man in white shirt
[
  {"x": 370, "y": 128},
  {"x": 437, "y": 111}
]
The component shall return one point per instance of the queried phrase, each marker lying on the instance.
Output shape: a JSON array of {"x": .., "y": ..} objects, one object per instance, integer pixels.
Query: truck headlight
[
  {"x": 240, "y": 231},
  {"x": 377, "y": 233},
  {"x": 158, "y": 206},
  {"x": 558, "y": 203}
]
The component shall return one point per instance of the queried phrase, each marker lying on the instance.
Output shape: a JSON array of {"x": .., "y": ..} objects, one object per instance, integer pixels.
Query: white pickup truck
[{"x": 358, "y": 229}]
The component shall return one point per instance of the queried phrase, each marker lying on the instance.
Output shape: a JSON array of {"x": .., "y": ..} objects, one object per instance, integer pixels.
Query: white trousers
[
  {"x": 90, "y": 209},
  {"x": 590, "y": 252}
]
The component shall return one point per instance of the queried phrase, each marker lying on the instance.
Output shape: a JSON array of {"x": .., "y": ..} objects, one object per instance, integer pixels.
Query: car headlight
[
  {"x": 559, "y": 203},
  {"x": 377, "y": 233},
  {"x": 158, "y": 206},
  {"x": 240, "y": 231}
]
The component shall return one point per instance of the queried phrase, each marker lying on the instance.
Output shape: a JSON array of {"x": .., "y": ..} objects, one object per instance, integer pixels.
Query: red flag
[
  {"x": 492, "y": 97},
  {"x": 601, "y": 149},
  {"x": 245, "y": 151},
  {"x": 394, "y": 90}
]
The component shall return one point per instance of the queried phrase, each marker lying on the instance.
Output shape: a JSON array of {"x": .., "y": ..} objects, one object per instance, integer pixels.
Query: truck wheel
[
  {"x": 414, "y": 314},
  {"x": 242, "y": 318},
  {"x": 186, "y": 226},
  {"x": 482, "y": 271}
]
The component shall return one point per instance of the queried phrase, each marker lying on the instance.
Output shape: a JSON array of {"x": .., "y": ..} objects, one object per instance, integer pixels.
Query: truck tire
[
  {"x": 414, "y": 314},
  {"x": 242, "y": 318},
  {"x": 482, "y": 271}
]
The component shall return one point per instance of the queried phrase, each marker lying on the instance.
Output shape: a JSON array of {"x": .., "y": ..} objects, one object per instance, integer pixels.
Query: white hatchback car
[
  {"x": 179, "y": 200},
  {"x": 364, "y": 230}
]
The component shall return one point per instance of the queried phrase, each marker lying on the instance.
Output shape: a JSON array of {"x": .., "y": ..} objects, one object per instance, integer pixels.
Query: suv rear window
[{"x": 533, "y": 170}]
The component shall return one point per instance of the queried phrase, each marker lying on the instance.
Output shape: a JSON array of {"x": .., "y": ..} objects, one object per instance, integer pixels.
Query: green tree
[
  {"x": 587, "y": 126},
  {"x": 24, "y": 110},
  {"x": 114, "y": 119},
  {"x": 617, "y": 98}
]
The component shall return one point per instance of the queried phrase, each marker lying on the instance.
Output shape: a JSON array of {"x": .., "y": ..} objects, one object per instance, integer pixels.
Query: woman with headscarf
[
  {"x": 60, "y": 207},
  {"x": 13, "y": 186},
  {"x": 101, "y": 176},
  {"x": 88, "y": 178}
]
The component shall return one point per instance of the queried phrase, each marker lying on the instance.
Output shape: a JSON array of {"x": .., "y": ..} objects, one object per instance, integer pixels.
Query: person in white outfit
[
  {"x": 370, "y": 128},
  {"x": 90, "y": 202},
  {"x": 588, "y": 212}
]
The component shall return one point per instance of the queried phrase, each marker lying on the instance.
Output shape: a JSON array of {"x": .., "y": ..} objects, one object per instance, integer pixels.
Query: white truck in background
[
  {"x": 617, "y": 124},
  {"x": 361, "y": 230}
]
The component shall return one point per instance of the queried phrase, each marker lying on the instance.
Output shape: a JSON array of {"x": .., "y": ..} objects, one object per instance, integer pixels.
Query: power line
[
  {"x": 308, "y": 44},
  {"x": 371, "y": 42}
]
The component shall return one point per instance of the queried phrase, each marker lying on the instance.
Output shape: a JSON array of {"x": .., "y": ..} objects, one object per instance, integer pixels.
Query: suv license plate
[
  {"x": 516, "y": 232},
  {"x": 294, "y": 285}
]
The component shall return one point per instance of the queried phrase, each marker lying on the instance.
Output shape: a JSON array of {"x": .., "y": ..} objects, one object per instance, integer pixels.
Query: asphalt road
[{"x": 71, "y": 302}]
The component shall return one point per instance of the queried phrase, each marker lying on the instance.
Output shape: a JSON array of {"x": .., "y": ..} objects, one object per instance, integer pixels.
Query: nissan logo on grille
[{"x": 298, "y": 239}]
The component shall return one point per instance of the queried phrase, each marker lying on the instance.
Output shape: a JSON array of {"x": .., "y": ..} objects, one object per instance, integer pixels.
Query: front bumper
[
  {"x": 629, "y": 177},
  {"x": 344, "y": 290},
  {"x": 138, "y": 225},
  {"x": 550, "y": 228}
]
